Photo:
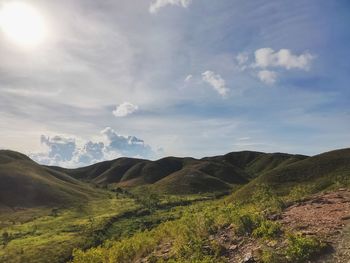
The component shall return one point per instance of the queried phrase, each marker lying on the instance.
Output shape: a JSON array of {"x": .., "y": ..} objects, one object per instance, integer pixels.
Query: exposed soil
[{"x": 325, "y": 216}]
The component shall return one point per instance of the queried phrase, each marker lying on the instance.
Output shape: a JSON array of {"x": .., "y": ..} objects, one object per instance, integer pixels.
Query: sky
[{"x": 154, "y": 78}]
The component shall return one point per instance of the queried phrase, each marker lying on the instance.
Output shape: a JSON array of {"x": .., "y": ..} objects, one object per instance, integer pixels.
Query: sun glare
[{"x": 22, "y": 24}]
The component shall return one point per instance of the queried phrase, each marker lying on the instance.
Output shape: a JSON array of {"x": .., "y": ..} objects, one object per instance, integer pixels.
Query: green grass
[
  {"x": 50, "y": 235},
  {"x": 300, "y": 248},
  {"x": 124, "y": 226},
  {"x": 40, "y": 237}
]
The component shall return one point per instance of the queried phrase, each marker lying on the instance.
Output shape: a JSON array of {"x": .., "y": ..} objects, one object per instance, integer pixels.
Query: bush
[
  {"x": 267, "y": 229},
  {"x": 6, "y": 238},
  {"x": 246, "y": 224},
  {"x": 267, "y": 200},
  {"x": 149, "y": 201},
  {"x": 302, "y": 248},
  {"x": 269, "y": 256}
]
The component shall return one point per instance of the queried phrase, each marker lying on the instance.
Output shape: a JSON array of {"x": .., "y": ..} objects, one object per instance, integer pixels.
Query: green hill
[
  {"x": 42, "y": 185},
  {"x": 24, "y": 183},
  {"x": 184, "y": 175},
  {"x": 314, "y": 174}
]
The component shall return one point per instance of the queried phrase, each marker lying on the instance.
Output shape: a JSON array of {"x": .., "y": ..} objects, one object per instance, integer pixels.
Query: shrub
[
  {"x": 6, "y": 238},
  {"x": 302, "y": 248},
  {"x": 267, "y": 200},
  {"x": 247, "y": 223},
  {"x": 149, "y": 201},
  {"x": 268, "y": 256},
  {"x": 267, "y": 229}
]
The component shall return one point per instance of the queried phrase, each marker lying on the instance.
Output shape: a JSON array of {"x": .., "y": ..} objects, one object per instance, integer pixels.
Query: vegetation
[
  {"x": 124, "y": 210},
  {"x": 302, "y": 248}
]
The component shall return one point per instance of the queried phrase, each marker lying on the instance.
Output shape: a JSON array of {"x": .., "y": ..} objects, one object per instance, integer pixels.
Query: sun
[{"x": 22, "y": 24}]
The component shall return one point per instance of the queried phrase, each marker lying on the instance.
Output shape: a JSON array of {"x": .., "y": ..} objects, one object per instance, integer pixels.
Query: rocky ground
[{"x": 325, "y": 216}]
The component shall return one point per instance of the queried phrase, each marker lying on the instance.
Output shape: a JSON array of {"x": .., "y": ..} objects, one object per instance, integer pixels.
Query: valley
[{"x": 230, "y": 208}]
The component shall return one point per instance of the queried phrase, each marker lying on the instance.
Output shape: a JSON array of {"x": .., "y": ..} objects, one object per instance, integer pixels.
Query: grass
[
  {"x": 50, "y": 235},
  {"x": 36, "y": 234},
  {"x": 190, "y": 237},
  {"x": 124, "y": 226}
]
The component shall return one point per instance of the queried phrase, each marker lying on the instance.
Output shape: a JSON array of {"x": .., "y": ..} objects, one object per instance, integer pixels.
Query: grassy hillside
[
  {"x": 313, "y": 174},
  {"x": 25, "y": 183},
  {"x": 228, "y": 230},
  {"x": 184, "y": 175},
  {"x": 137, "y": 224}
]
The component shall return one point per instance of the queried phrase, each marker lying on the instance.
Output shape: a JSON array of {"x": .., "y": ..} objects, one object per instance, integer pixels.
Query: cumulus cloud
[
  {"x": 90, "y": 153},
  {"x": 267, "y": 76},
  {"x": 126, "y": 145},
  {"x": 125, "y": 109},
  {"x": 65, "y": 151},
  {"x": 60, "y": 149},
  {"x": 216, "y": 81},
  {"x": 267, "y": 57},
  {"x": 158, "y": 4}
]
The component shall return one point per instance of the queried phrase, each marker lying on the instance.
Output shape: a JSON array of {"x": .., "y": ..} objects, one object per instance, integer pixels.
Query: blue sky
[{"x": 154, "y": 78}]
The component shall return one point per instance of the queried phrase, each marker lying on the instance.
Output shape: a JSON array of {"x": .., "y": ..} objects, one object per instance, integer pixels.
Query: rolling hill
[
  {"x": 315, "y": 173},
  {"x": 24, "y": 183},
  {"x": 184, "y": 175}
]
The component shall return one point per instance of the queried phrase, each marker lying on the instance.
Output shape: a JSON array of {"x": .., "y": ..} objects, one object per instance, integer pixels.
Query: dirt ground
[{"x": 325, "y": 216}]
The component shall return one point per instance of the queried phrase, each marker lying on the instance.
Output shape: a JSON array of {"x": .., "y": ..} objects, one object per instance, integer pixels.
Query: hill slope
[
  {"x": 24, "y": 183},
  {"x": 184, "y": 175},
  {"x": 316, "y": 173}
]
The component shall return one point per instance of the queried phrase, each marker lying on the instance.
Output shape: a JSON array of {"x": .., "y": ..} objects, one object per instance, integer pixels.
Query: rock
[
  {"x": 272, "y": 243},
  {"x": 274, "y": 217},
  {"x": 248, "y": 258},
  {"x": 233, "y": 247}
]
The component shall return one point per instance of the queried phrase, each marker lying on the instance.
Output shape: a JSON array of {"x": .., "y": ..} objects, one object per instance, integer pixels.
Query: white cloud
[
  {"x": 267, "y": 76},
  {"x": 216, "y": 81},
  {"x": 158, "y": 4},
  {"x": 188, "y": 78},
  {"x": 125, "y": 109},
  {"x": 67, "y": 152},
  {"x": 267, "y": 57},
  {"x": 60, "y": 148}
]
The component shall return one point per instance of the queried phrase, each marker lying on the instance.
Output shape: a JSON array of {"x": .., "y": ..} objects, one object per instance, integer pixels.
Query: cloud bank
[{"x": 66, "y": 151}]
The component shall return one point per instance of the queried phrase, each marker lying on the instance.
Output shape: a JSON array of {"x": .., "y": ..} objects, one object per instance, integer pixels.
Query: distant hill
[
  {"x": 184, "y": 175},
  {"x": 24, "y": 183}
]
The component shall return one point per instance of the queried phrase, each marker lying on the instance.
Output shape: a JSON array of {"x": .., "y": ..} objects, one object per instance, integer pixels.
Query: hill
[
  {"x": 184, "y": 175},
  {"x": 313, "y": 174},
  {"x": 24, "y": 183}
]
